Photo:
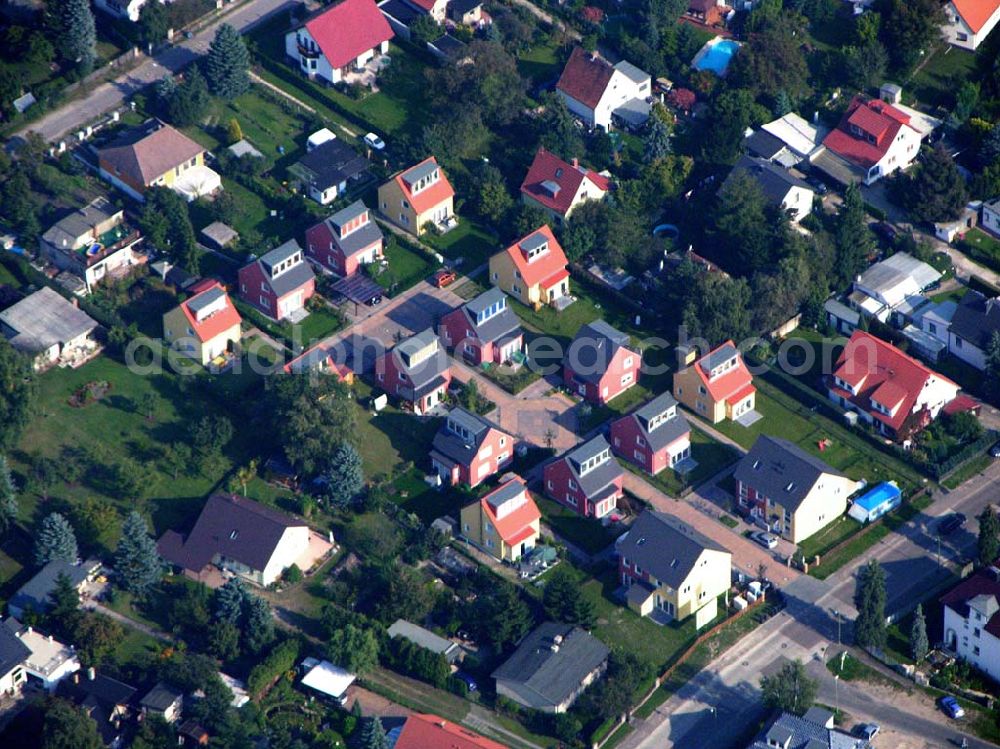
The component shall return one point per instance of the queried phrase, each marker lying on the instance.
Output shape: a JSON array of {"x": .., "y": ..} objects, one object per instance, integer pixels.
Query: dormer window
[{"x": 426, "y": 181}]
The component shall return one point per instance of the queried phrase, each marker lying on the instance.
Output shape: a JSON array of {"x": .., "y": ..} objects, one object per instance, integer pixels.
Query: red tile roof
[
  {"x": 875, "y": 117},
  {"x": 877, "y": 369},
  {"x": 547, "y": 167},
  {"x": 961, "y": 404},
  {"x": 431, "y": 732},
  {"x": 983, "y": 582},
  {"x": 429, "y": 197},
  {"x": 976, "y": 13},
  {"x": 585, "y": 77},
  {"x": 733, "y": 386},
  {"x": 216, "y": 323},
  {"x": 515, "y": 526},
  {"x": 544, "y": 268},
  {"x": 348, "y": 29}
]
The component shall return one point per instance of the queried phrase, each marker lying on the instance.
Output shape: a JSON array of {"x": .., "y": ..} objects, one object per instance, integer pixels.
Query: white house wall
[{"x": 293, "y": 544}]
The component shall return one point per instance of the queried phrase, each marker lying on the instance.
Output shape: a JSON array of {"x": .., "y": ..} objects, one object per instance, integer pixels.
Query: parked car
[
  {"x": 868, "y": 731},
  {"x": 818, "y": 185},
  {"x": 765, "y": 539},
  {"x": 443, "y": 277},
  {"x": 951, "y": 707},
  {"x": 995, "y": 451},
  {"x": 884, "y": 231},
  {"x": 951, "y": 523},
  {"x": 373, "y": 141},
  {"x": 467, "y": 680}
]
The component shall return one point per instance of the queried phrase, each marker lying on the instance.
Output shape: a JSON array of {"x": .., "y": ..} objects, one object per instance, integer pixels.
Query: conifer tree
[
  {"x": 55, "y": 540},
  {"x": 228, "y": 64},
  {"x": 137, "y": 563}
]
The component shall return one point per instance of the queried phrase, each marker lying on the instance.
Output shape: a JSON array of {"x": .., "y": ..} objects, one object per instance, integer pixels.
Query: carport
[{"x": 358, "y": 289}]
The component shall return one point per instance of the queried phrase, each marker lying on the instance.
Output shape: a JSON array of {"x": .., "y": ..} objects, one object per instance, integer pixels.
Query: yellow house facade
[
  {"x": 505, "y": 523},
  {"x": 418, "y": 196},
  {"x": 717, "y": 386},
  {"x": 533, "y": 270},
  {"x": 204, "y": 327}
]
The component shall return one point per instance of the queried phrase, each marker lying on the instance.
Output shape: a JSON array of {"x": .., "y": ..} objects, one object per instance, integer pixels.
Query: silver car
[{"x": 765, "y": 539}]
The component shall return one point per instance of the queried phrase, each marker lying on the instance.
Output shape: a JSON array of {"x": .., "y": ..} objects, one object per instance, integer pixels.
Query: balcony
[
  {"x": 108, "y": 244},
  {"x": 307, "y": 53}
]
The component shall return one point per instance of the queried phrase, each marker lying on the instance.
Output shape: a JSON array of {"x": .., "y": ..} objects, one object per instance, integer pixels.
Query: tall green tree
[
  {"x": 564, "y": 601},
  {"x": 154, "y": 22},
  {"x": 258, "y": 627},
  {"x": 989, "y": 149},
  {"x": 853, "y": 240},
  {"x": 63, "y": 615},
  {"x": 499, "y": 616},
  {"x": 229, "y": 600},
  {"x": 718, "y": 308},
  {"x": 67, "y": 727},
  {"x": 344, "y": 475},
  {"x": 228, "y": 64},
  {"x": 166, "y": 223},
  {"x": 353, "y": 648},
  {"x": 137, "y": 563},
  {"x": 373, "y": 735},
  {"x": 308, "y": 416},
  {"x": 17, "y": 393},
  {"x": 8, "y": 498},
  {"x": 991, "y": 383},
  {"x": 76, "y": 33},
  {"x": 909, "y": 28},
  {"x": 870, "y": 627},
  {"x": 936, "y": 190},
  {"x": 919, "y": 646},
  {"x": 988, "y": 548},
  {"x": 656, "y": 140},
  {"x": 186, "y": 104},
  {"x": 747, "y": 232},
  {"x": 790, "y": 690},
  {"x": 55, "y": 540}
]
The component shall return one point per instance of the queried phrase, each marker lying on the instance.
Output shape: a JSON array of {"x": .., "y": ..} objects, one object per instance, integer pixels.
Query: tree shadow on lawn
[
  {"x": 409, "y": 435},
  {"x": 174, "y": 513}
]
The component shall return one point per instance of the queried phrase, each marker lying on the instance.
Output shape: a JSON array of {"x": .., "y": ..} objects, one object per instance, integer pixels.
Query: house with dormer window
[
  {"x": 205, "y": 326},
  {"x": 600, "y": 363},
  {"x": 587, "y": 479},
  {"x": 655, "y": 436},
  {"x": 416, "y": 371},
  {"x": 717, "y": 386},
  {"x": 971, "y": 612},
  {"x": 469, "y": 449},
  {"x": 793, "y": 493},
  {"x": 534, "y": 270},
  {"x": 887, "y": 389},
  {"x": 418, "y": 196},
  {"x": 484, "y": 329},
  {"x": 671, "y": 571},
  {"x": 346, "y": 241},
  {"x": 279, "y": 283},
  {"x": 505, "y": 523},
  {"x": 558, "y": 187}
]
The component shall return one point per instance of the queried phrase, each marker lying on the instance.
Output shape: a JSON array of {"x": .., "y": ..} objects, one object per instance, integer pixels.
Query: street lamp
[{"x": 836, "y": 615}]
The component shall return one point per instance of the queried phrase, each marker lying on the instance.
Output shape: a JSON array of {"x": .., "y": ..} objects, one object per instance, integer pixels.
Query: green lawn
[
  {"x": 941, "y": 76},
  {"x": 711, "y": 455},
  {"x": 837, "y": 531},
  {"x": 981, "y": 247},
  {"x": 586, "y": 533},
  {"x": 468, "y": 244},
  {"x": 406, "y": 267},
  {"x": 967, "y": 471},
  {"x": 540, "y": 63},
  {"x": 391, "y": 437},
  {"x": 318, "y": 325}
]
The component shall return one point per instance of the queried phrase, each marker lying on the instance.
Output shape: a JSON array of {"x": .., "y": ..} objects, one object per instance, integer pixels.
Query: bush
[
  {"x": 279, "y": 661},
  {"x": 293, "y": 574}
]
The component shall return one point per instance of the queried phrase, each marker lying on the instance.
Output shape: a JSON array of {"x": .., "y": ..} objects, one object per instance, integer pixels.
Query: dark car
[
  {"x": 818, "y": 185},
  {"x": 995, "y": 451},
  {"x": 951, "y": 523},
  {"x": 884, "y": 231},
  {"x": 466, "y": 679}
]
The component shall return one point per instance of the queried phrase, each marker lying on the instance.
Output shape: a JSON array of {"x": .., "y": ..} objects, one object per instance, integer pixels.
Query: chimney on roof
[{"x": 576, "y": 163}]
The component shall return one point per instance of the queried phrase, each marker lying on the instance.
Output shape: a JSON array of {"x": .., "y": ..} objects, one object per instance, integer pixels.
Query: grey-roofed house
[
  {"x": 587, "y": 479},
  {"x": 447, "y": 48},
  {"x": 655, "y": 436},
  {"x": 790, "y": 491},
  {"x": 51, "y": 330},
  {"x": 330, "y": 170},
  {"x": 551, "y": 667},
  {"x": 13, "y": 654},
  {"x": 279, "y": 282},
  {"x": 426, "y": 639},
  {"x": 220, "y": 235},
  {"x": 107, "y": 701},
  {"x": 764, "y": 145},
  {"x": 600, "y": 363},
  {"x": 780, "y": 187},
  {"x": 33, "y": 596},
  {"x": 671, "y": 571},
  {"x": 888, "y": 285},
  {"x": 814, "y": 730},
  {"x": 416, "y": 371},
  {"x": 400, "y": 14},
  {"x": 973, "y": 324},
  {"x": 484, "y": 329},
  {"x": 469, "y": 448},
  {"x": 163, "y": 700},
  {"x": 346, "y": 241}
]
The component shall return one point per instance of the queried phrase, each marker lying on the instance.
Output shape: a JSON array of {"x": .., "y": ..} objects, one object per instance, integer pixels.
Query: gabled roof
[
  {"x": 107, "y": 692},
  {"x": 233, "y": 527},
  {"x": 346, "y": 30},
  {"x": 426, "y": 731},
  {"x": 876, "y": 118},
  {"x": 427, "y": 373},
  {"x": 726, "y": 385},
  {"x": 161, "y": 697},
  {"x": 665, "y": 547},
  {"x": 542, "y": 267},
  {"x": 976, "y": 319},
  {"x": 511, "y": 525},
  {"x": 554, "y": 182},
  {"x": 898, "y": 276},
  {"x": 13, "y": 652},
  {"x": 976, "y": 13},
  {"x": 333, "y": 162},
  {"x": 149, "y": 151},
  {"x": 666, "y": 431},
  {"x": 298, "y": 275},
  {"x": 551, "y": 663},
  {"x": 457, "y": 448},
  {"x": 34, "y": 594},
  {"x": 773, "y": 181},
  {"x": 42, "y": 320},
  {"x": 983, "y": 582},
  {"x": 424, "y": 638},
  {"x": 80, "y": 223},
  {"x": 361, "y": 238},
  {"x": 206, "y": 293},
  {"x": 501, "y": 325},
  {"x": 763, "y": 144},
  {"x": 430, "y": 196},
  {"x": 596, "y": 480},
  {"x": 782, "y": 471},
  {"x": 593, "y": 349},
  {"x": 585, "y": 77}
]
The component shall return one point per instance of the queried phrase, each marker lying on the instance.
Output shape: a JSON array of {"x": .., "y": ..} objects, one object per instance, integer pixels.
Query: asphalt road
[
  {"x": 714, "y": 708},
  {"x": 76, "y": 114}
]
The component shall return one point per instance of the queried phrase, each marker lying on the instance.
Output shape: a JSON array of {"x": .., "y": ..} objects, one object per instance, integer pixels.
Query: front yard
[
  {"x": 710, "y": 455},
  {"x": 406, "y": 266},
  {"x": 586, "y": 533}
]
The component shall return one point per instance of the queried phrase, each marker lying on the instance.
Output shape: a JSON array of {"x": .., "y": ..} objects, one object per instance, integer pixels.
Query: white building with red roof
[
  {"x": 534, "y": 270},
  {"x": 339, "y": 39},
  {"x": 873, "y": 140},
  {"x": 886, "y": 388},
  {"x": 970, "y": 21},
  {"x": 422, "y": 731},
  {"x": 600, "y": 93},
  {"x": 557, "y": 186}
]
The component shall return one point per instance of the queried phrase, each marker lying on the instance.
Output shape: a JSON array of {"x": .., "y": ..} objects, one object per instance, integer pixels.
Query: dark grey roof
[
  {"x": 664, "y": 547},
  {"x": 500, "y": 325},
  {"x": 418, "y": 172},
  {"x": 781, "y": 470},
  {"x": 107, "y": 692},
  {"x": 42, "y": 320},
  {"x": 358, "y": 239},
  {"x": 763, "y": 144},
  {"x": 161, "y": 697},
  {"x": 592, "y": 349},
  {"x": 294, "y": 277},
  {"x": 281, "y": 252},
  {"x": 333, "y": 162},
  {"x": 665, "y": 431},
  {"x": 448, "y": 45},
  {"x": 400, "y": 10},
  {"x": 204, "y": 299},
  {"x": 774, "y": 181},
  {"x": 976, "y": 319},
  {"x": 80, "y": 222},
  {"x": 427, "y": 374},
  {"x": 461, "y": 7},
  {"x": 536, "y": 239},
  {"x": 349, "y": 213},
  {"x": 597, "y": 479},
  {"x": 546, "y": 674},
  {"x": 455, "y": 447},
  {"x": 511, "y": 490},
  {"x": 425, "y": 639},
  {"x": 34, "y": 594},
  {"x": 792, "y": 732},
  {"x": 13, "y": 652},
  {"x": 712, "y": 359}
]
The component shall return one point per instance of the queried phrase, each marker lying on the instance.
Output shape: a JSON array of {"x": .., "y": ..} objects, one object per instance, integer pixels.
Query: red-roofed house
[
  {"x": 345, "y": 241},
  {"x": 205, "y": 326},
  {"x": 417, "y": 196},
  {"x": 886, "y": 388},
  {"x": 339, "y": 39},
  {"x": 875, "y": 138},
  {"x": 972, "y": 620},
  {"x": 557, "y": 187},
  {"x": 597, "y": 91},
  {"x": 504, "y": 523},
  {"x": 970, "y": 21},
  {"x": 425, "y": 731},
  {"x": 533, "y": 270},
  {"x": 717, "y": 386}
]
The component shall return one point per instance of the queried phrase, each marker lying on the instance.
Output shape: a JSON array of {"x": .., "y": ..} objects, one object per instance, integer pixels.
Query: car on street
[
  {"x": 373, "y": 141},
  {"x": 868, "y": 731},
  {"x": 951, "y": 707},
  {"x": 951, "y": 523},
  {"x": 995, "y": 451},
  {"x": 765, "y": 539}
]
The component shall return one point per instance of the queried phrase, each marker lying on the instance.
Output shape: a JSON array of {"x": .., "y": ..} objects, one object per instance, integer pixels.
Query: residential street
[{"x": 75, "y": 114}]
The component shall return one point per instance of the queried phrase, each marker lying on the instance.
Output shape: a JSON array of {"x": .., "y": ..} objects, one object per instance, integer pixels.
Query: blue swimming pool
[
  {"x": 716, "y": 55},
  {"x": 874, "y": 499}
]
